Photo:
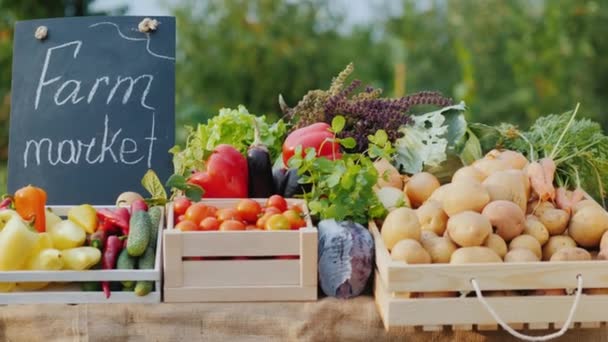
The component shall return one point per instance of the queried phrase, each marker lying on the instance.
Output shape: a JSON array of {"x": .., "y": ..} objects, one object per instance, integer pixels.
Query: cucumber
[
  {"x": 126, "y": 262},
  {"x": 145, "y": 262},
  {"x": 140, "y": 228},
  {"x": 90, "y": 286},
  {"x": 155, "y": 216}
]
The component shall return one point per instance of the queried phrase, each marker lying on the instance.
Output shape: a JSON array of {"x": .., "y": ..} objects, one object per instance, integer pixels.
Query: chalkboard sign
[{"x": 92, "y": 107}]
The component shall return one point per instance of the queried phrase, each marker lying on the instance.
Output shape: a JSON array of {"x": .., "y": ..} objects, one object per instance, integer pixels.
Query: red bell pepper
[
  {"x": 109, "y": 219},
  {"x": 226, "y": 174},
  {"x": 318, "y": 136}
]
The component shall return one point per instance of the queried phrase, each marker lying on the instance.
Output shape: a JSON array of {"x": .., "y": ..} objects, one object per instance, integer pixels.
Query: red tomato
[
  {"x": 277, "y": 201},
  {"x": 261, "y": 222},
  {"x": 180, "y": 205},
  {"x": 232, "y": 225},
  {"x": 249, "y": 210},
  {"x": 252, "y": 227},
  {"x": 296, "y": 208},
  {"x": 178, "y": 219},
  {"x": 272, "y": 210},
  {"x": 186, "y": 226},
  {"x": 277, "y": 222},
  {"x": 295, "y": 219},
  {"x": 197, "y": 212},
  {"x": 225, "y": 214},
  {"x": 209, "y": 223}
]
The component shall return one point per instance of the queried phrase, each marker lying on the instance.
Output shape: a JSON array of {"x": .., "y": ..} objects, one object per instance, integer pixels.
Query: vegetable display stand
[
  {"x": 65, "y": 287},
  {"x": 231, "y": 266},
  {"x": 404, "y": 294}
]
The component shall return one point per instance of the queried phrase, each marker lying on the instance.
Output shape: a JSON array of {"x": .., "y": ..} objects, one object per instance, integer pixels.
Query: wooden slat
[
  {"x": 244, "y": 294},
  {"x": 432, "y": 327},
  {"x": 487, "y": 327},
  {"x": 459, "y": 311},
  {"x": 383, "y": 258},
  {"x": 538, "y": 326},
  {"x": 462, "y": 327},
  {"x": 590, "y": 325},
  {"x": 308, "y": 257},
  {"x": 232, "y": 273},
  {"x": 74, "y": 276},
  {"x": 559, "y": 325},
  {"x": 172, "y": 261},
  {"x": 240, "y": 243}
]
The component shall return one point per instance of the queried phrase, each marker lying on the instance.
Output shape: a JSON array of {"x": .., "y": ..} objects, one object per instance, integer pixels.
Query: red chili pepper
[
  {"x": 318, "y": 135},
  {"x": 226, "y": 174},
  {"x": 138, "y": 205},
  {"x": 30, "y": 203},
  {"x": 6, "y": 203},
  {"x": 110, "y": 219},
  {"x": 110, "y": 254}
]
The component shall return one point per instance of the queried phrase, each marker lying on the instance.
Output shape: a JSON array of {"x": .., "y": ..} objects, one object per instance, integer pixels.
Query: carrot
[
  {"x": 566, "y": 200},
  {"x": 541, "y": 176}
]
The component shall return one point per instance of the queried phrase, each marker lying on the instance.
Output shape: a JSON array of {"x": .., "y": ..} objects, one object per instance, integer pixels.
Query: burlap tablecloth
[{"x": 326, "y": 320}]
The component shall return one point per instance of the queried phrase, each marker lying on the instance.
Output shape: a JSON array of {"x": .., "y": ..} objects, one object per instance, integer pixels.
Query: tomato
[
  {"x": 197, "y": 212},
  {"x": 272, "y": 210},
  {"x": 178, "y": 219},
  {"x": 252, "y": 227},
  {"x": 295, "y": 219},
  {"x": 232, "y": 225},
  {"x": 209, "y": 223},
  {"x": 180, "y": 205},
  {"x": 277, "y": 222},
  {"x": 261, "y": 222},
  {"x": 296, "y": 208},
  {"x": 186, "y": 226},
  {"x": 225, "y": 214},
  {"x": 277, "y": 201},
  {"x": 249, "y": 210}
]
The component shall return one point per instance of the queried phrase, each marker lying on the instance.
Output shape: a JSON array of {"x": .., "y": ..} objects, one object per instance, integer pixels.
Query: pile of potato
[{"x": 499, "y": 209}]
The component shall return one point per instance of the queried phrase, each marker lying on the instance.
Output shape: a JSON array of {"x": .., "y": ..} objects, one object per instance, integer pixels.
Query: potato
[
  {"x": 464, "y": 196},
  {"x": 521, "y": 255},
  {"x": 604, "y": 241},
  {"x": 534, "y": 227},
  {"x": 509, "y": 185},
  {"x": 471, "y": 255},
  {"x": 490, "y": 166},
  {"x": 427, "y": 235},
  {"x": 588, "y": 226},
  {"x": 515, "y": 160},
  {"x": 420, "y": 187},
  {"x": 469, "y": 228},
  {"x": 602, "y": 255},
  {"x": 556, "y": 243},
  {"x": 392, "y": 198},
  {"x": 527, "y": 242},
  {"x": 571, "y": 254},
  {"x": 399, "y": 224},
  {"x": 404, "y": 295},
  {"x": 599, "y": 291},
  {"x": 468, "y": 174},
  {"x": 584, "y": 203},
  {"x": 506, "y": 217},
  {"x": 438, "y": 194},
  {"x": 432, "y": 217},
  {"x": 411, "y": 252},
  {"x": 555, "y": 220},
  {"x": 440, "y": 249},
  {"x": 549, "y": 292},
  {"x": 497, "y": 244},
  {"x": 388, "y": 175}
]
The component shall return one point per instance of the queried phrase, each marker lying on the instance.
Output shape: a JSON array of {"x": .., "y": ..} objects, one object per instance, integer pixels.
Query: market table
[{"x": 326, "y": 320}]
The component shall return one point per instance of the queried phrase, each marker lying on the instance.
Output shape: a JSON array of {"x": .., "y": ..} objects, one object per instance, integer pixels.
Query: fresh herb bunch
[
  {"x": 232, "y": 126},
  {"x": 342, "y": 189},
  {"x": 578, "y": 147},
  {"x": 365, "y": 112}
]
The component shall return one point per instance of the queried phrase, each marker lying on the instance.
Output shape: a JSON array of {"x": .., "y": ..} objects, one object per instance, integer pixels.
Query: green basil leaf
[
  {"x": 338, "y": 123},
  {"x": 177, "y": 182},
  {"x": 349, "y": 142}
]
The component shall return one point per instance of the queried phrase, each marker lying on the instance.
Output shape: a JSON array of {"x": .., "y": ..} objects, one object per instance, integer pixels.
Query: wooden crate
[
  {"x": 262, "y": 278},
  {"x": 66, "y": 288},
  {"x": 395, "y": 280}
]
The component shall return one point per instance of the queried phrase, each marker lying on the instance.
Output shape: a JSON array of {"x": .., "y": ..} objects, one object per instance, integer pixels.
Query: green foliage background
[{"x": 510, "y": 60}]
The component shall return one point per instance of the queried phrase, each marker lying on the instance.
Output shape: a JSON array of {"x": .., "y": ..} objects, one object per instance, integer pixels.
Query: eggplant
[
  {"x": 279, "y": 176},
  {"x": 292, "y": 187},
  {"x": 260, "y": 168}
]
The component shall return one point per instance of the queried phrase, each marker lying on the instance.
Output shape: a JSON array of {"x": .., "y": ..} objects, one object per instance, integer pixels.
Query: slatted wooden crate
[
  {"x": 261, "y": 277},
  {"x": 395, "y": 281},
  {"x": 65, "y": 287}
]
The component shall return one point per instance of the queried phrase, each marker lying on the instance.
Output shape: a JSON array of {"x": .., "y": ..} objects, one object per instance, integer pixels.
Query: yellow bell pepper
[
  {"x": 17, "y": 242},
  {"x": 46, "y": 260},
  {"x": 81, "y": 258}
]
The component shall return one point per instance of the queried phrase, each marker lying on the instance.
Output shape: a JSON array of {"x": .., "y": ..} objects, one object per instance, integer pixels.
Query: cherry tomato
[
  {"x": 225, "y": 214},
  {"x": 277, "y": 222},
  {"x": 197, "y": 212},
  {"x": 296, "y": 208},
  {"x": 252, "y": 227},
  {"x": 261, "y": 222},
  {"x": 186, "y": 226},
  {"x": 209, "y": 223},
  {"x": 277, "y": 201},
  {"x": 180, "y": 205},
  {"x": 232, "y": 225},
  {"x": 295, "y": 219},
  {"x": 249, "y": 210}
]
